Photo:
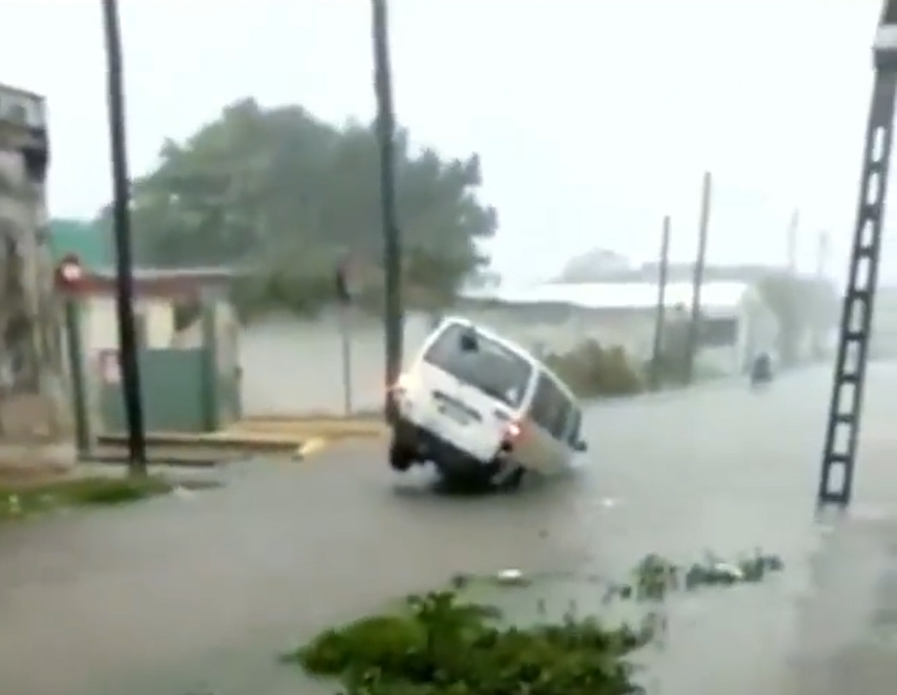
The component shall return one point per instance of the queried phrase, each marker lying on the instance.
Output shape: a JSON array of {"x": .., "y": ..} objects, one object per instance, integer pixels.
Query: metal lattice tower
[{"x": 845, "y": 409}]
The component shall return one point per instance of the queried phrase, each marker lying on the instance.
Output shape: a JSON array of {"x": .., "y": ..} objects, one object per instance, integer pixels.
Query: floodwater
[{"x": 200, "y": 595}]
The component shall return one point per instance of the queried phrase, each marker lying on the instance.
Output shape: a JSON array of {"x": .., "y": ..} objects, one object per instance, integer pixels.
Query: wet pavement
[{"x": 198, "y": 595}]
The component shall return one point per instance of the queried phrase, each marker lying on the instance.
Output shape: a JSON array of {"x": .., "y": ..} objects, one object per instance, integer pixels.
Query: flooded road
[{"x": 198, "y": 596}]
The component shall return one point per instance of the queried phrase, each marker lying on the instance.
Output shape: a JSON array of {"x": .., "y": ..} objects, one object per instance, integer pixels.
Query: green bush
[
  {"x": 592, "y": 370},
  {"x": 441, "y": 646}
]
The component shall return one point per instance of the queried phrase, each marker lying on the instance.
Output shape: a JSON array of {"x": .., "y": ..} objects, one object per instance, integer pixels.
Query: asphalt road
[{"x": 198, "y": 595}]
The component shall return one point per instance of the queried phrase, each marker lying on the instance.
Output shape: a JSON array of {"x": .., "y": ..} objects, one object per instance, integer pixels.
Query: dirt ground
[{"x": 32, "y": 447}]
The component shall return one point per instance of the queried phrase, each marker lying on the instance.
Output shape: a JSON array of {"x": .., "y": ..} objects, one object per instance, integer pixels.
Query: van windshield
[{"x": 490, "y": 367}]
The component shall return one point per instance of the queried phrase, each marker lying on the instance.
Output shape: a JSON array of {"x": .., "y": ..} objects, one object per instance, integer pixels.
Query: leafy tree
[
  {"x": 804, "y": 308},
  {"x": 286, "y": 196}
]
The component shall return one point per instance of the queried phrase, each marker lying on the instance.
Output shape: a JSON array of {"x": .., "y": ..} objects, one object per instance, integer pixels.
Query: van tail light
[
  {"x": 512, "y": 433},
  {"x": 403, "y": 382}
]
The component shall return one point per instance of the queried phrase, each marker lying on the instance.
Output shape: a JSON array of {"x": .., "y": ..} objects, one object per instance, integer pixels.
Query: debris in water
[
  {"x": 182, "y": 492},
  {"x": 15, "y": 505},
  {"x": 727, "y": 570},
  {"x": 460, "y": 580},
  {"x": 511, "y": 576}
]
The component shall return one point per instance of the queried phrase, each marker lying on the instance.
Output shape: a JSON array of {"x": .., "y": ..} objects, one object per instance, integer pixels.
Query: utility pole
[
  {"x": 792, "y": 242},
  {"x": 694, "y": 326},
  {"x": 821, "y": 333},
  {"x": 846, "y": 406},
  {"x": 393, "y": 317},
  {"x": 660, "y": 316},
  {"x": 823, "y": 243},
  {"x": 127, "y": 336}
]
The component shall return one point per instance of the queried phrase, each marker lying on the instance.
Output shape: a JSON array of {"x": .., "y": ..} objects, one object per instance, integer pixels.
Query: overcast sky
[{"x": 594, "y": 118}]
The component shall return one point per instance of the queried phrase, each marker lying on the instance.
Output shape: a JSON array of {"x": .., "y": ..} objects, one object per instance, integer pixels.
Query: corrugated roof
[
  {"x": 623, "y": 295},
  {"x": 198, "y": 273}
]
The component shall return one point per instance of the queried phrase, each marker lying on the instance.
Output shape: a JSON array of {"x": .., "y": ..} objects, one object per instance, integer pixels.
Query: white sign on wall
[{"x": 110, "y": 367}]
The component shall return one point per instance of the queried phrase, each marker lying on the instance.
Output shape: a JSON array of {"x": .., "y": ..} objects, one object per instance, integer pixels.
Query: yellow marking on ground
[
  {"x": 312, "y": 446},
  {"x": 301, "y": 428}
]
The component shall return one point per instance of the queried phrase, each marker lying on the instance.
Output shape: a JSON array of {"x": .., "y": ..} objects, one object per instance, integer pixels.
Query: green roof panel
[{"x": 83, "y": 239}]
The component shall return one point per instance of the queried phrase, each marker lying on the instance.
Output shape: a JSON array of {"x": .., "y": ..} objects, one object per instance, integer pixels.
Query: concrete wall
[
  {"x": 293, "y": 367},
  {"x": 23, "y": 219},
  {"x": 99, "y": 333},
  {"x": 101, "y": 323}
]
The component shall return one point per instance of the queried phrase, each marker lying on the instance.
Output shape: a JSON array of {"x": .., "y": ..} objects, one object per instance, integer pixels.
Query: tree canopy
[{"x": 284, "y": 196}]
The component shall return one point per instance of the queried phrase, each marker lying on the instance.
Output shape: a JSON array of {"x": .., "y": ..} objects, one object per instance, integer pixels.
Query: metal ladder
[{"x": 845, "y": 408}]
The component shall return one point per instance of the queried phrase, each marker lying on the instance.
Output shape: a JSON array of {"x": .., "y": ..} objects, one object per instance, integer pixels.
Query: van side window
[
  {"x": 562, "y": 418},
  {"x": 550, "y": 407},
  {"x": 542, "y": 407},
  {"x": 574, "y": 434}
]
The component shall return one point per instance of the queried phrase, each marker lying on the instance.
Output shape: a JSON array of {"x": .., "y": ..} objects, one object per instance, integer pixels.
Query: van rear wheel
[
  {"x": 400, "y": 457},
  {"x": 512, "y": 482}
]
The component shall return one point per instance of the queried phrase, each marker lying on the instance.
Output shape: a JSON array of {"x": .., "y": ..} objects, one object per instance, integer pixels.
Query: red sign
[{"x": 70, "y": 269}]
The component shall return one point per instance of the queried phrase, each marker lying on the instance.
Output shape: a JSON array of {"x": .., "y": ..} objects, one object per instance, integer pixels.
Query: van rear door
[
  {"x": 474, "y": 393},
  {"x": 461, "y": 414}
]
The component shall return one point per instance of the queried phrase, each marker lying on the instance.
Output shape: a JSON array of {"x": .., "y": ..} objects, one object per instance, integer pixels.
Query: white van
[{"x": 481, "y": 407}]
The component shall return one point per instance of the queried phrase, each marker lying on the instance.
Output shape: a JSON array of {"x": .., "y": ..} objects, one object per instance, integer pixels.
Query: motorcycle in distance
[{"x": 761, "y": 370}]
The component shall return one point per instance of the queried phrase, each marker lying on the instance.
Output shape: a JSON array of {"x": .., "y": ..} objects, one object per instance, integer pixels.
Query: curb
[
  {"x": 110, "y": 460},
  {"x": 306, "y": 428},
  {"x": 216, "y": 440}
]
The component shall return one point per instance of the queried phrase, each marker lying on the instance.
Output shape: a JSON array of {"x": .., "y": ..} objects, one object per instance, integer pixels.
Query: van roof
[{"x": 512, "y": 346}]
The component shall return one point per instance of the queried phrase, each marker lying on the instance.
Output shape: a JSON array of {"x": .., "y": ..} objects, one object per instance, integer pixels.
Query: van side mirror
[{"x": 580, "y": 446}]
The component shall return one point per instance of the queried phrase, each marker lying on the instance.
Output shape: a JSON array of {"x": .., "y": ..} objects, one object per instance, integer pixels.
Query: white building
[
  {"x": 736, "y": 324},
  {"x": 294, "y": 366}
]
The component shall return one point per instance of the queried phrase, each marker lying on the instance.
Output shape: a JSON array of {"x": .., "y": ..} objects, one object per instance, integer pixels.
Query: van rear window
[{"x": 490, "y": 367}]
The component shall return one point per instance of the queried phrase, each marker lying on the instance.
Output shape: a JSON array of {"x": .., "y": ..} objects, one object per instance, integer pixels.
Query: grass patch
[
  {"x": 20, "y": 501},
  {"x": 444, "y": 644}
]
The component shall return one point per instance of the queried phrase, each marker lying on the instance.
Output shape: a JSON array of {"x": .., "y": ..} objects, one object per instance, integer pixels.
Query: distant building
[
  {"x": 736, "y": 324},
  {"x": 595, "y": 265},
  {"x": 603, "y": 265}
]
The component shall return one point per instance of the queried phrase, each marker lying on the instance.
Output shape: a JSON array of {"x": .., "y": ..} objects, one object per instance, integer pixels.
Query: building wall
[
  {"x": 99, "y": 333},
  {"x": 23, "y": 222},
  {"x": 101, "y": 323},
  {"x": 292, "y": 367}
]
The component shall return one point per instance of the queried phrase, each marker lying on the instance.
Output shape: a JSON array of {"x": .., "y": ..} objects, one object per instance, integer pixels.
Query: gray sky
[{"x": 593, "y": 117}]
